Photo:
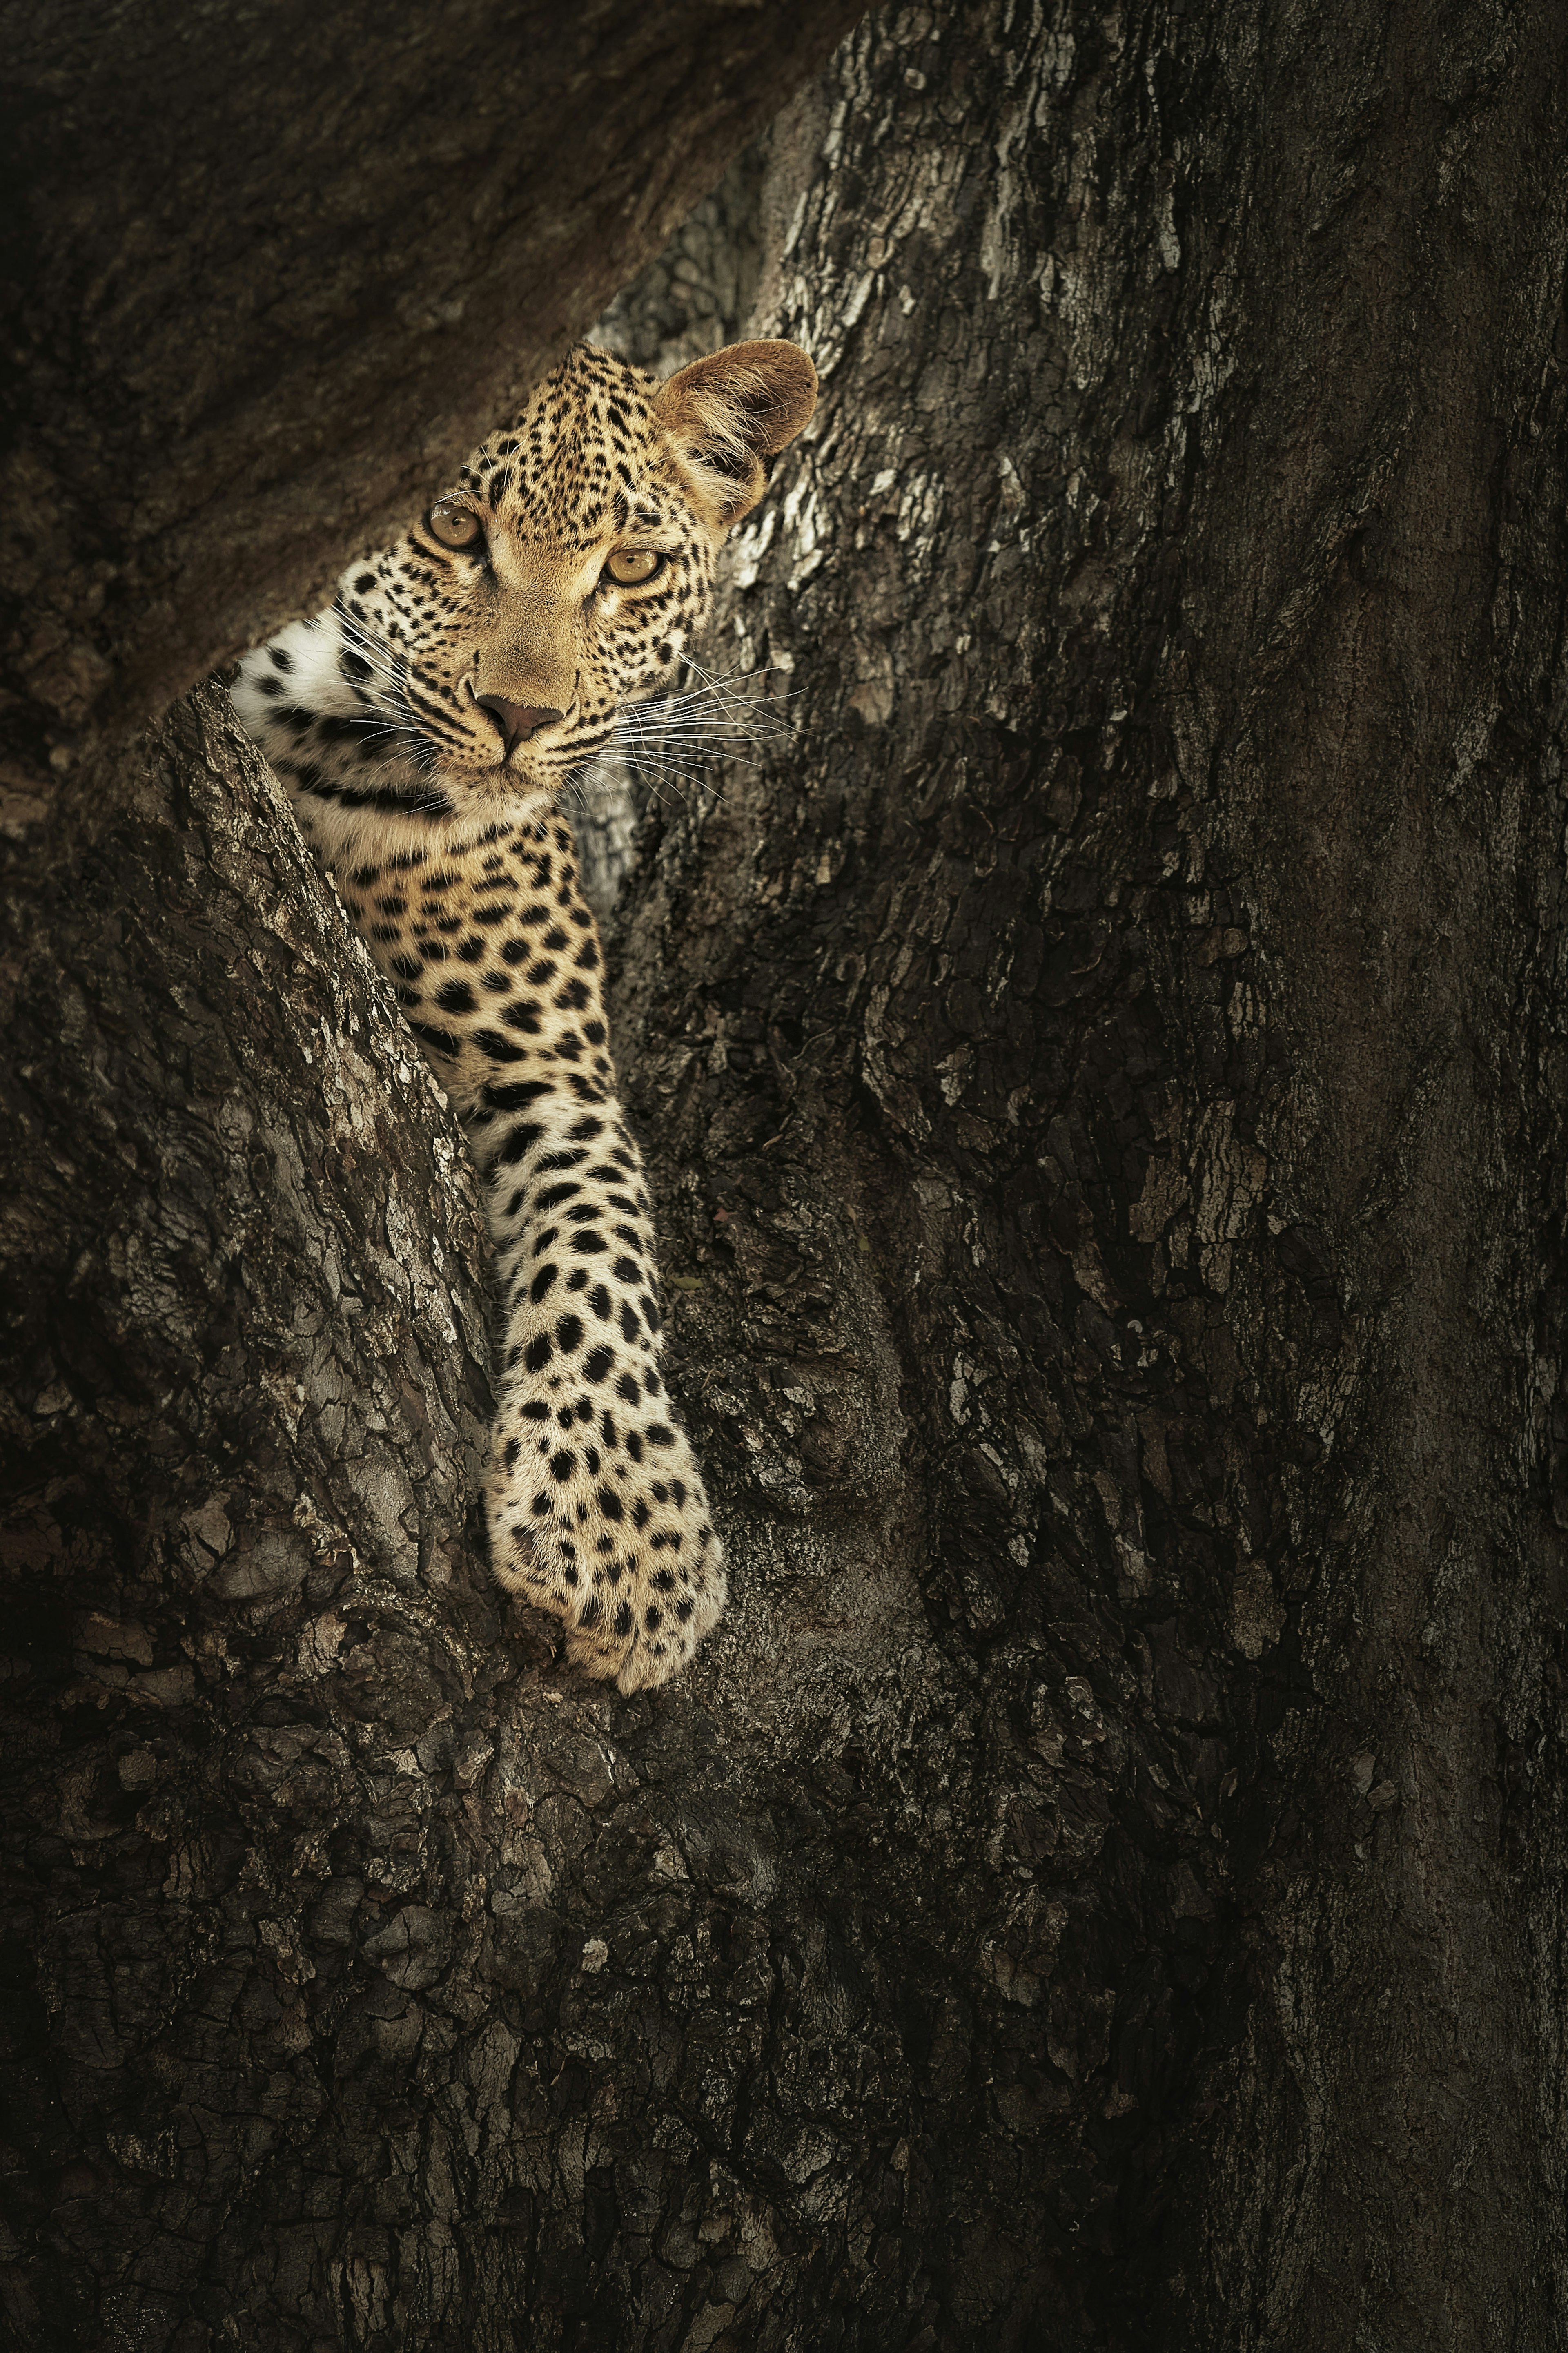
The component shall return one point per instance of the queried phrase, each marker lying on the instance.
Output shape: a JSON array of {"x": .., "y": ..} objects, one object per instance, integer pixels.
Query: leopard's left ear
[{"x": 729, "y": 414}]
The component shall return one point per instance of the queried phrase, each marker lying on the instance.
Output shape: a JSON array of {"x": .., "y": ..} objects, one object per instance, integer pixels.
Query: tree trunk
[{"x": 1102, "y": 1887}]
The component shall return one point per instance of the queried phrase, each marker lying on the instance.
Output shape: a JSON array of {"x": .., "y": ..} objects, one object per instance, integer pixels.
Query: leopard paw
[{"x": 603, "y": 1520}]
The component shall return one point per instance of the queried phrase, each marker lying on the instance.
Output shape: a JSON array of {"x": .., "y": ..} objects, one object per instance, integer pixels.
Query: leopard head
[{"x": 491, "y": 650}]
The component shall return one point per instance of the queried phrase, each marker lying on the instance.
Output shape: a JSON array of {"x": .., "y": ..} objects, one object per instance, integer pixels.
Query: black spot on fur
[
  {"x": 518, "y": 1095},
  {"x": 440, "y": 1042},
  {"x": 517, "y": 1143},
  {"x": 497, "y": 1049}
]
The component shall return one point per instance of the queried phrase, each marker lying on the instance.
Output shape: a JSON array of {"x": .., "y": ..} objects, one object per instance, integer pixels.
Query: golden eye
[
  {"x": 454, "y": 523},
  {"x": 630, "y": 566}
]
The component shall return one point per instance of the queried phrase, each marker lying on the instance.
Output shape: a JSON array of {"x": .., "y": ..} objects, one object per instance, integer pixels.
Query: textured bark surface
[
  {"x": 693, "y": 298},
  {"x": 1102, "y": 1886},
  {"x": 269, "y": 274}
]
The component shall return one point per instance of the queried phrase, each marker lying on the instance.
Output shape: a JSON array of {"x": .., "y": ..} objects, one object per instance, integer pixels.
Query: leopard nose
[{"x": 516, "y": 721}]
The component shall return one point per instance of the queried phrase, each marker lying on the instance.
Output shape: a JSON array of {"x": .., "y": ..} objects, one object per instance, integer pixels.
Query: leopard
[{"x": 427, "y": 727}]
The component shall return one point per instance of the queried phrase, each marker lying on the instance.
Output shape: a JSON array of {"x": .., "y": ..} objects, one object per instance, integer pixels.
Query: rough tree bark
[{"x": 1102, "y": 1887}]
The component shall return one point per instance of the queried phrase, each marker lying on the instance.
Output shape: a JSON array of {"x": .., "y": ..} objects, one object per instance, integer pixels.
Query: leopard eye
[
  {"x": 630, "y": 566},
  {"x": 454, "y": 523}
]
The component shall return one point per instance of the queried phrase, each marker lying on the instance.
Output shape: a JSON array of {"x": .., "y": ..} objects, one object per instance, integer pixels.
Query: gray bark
[{"x": 1102, "y": 1886}]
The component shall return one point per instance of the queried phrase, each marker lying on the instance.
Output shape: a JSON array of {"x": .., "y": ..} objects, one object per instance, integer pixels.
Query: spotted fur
[{"x": 423, "y": 727}]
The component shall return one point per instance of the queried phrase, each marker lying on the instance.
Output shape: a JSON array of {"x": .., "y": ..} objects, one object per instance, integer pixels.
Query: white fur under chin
[{"x": 343, "y": 837}]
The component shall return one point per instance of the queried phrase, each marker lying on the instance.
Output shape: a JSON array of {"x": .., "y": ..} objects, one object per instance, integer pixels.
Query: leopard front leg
[{"x": 598, "y": 1511}]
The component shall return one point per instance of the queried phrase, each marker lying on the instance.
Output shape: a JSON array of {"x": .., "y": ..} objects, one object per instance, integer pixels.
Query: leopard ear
[{"x": 728, "y": 415}]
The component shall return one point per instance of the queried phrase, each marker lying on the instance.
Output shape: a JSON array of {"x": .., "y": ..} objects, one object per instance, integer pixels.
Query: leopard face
[{"x": 488, "y": 654}]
